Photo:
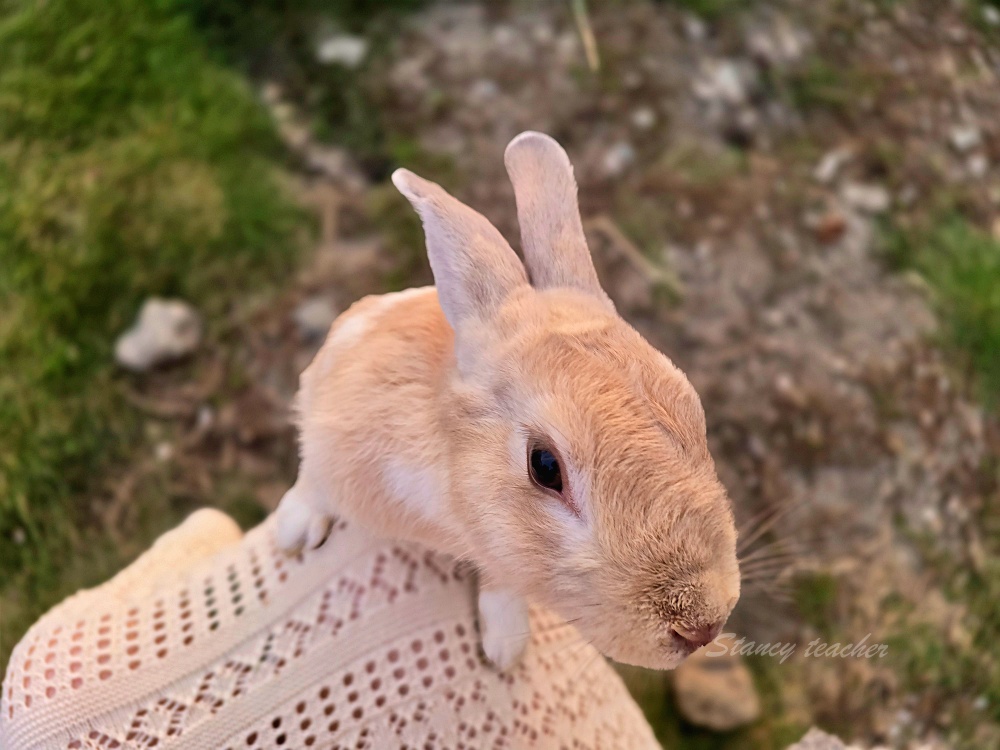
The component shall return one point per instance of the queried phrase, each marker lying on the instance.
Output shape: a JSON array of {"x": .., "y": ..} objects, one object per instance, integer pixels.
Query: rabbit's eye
[{"x": 544, "y": 469}]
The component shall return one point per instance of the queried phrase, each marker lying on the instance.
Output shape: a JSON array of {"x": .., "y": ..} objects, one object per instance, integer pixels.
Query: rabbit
[{"x": 510, "y": 417}]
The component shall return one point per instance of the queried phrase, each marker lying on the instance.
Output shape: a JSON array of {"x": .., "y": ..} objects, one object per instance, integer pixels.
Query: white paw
[
  {"x": 504, "y": 627},
  {"x": 299, "y": 526}
]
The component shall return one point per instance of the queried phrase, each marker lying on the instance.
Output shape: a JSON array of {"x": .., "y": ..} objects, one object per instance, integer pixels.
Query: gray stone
[
  {"x": 777, "y": 42},
  {"x": 978, "y": 165},
  {"x": 716, "y": 692},
  {"x": 166, "y": 330},
  {"x": 644, "y": 118},
  {"x": 868, "y": 198},
  {"x": 965, "y": 138},
  {"x": 816, "y": 739},
  {"x": 342, "y": 49},
  {"x": 618, "y": 159},
  {"x": 828, "y": 167},
  {"x": 727, "y": 81},
  {"x": 314, "y": 316}
]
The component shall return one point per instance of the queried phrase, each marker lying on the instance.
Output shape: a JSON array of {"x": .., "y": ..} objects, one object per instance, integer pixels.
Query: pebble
[
  {"x": 483, "y": 90},
  {"x": 978, "y": 165},
  {"x": 716, "y": 692},
  {"x": 965, "y": 138},
  {"x": 618, "y": 159},
  {"x": 831, "y": 163},
  {"x": 314, "y": 316},
  {"x": 342, "y": 49},
  {"x": 165, "y": 330},
  {"x": 695, "y": 29},
  {"x": 871, "y": 199},
  {"x": 777, "y": 42},
  {"x": 816, "y": 739},
  {"x": 726, "y": 81},
  {"x": 644, "y": 118}
]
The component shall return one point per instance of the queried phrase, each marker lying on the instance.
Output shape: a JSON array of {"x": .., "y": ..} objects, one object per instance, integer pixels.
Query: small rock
[
  {"x": 342, "y": 49},
  {"x": 205, "y": 417},
  {"x": 483, "y": 90},
  {"x": 871, "y": 199},
  {"x": 978, "y": 165},
  {"x": 726, "y": 81},
  {"x": 991, "y": 15},
  {"x": 777, "y": 43},
  {"x": 965, "y": 138},
  {"x": 314, "y": 317},
  {"x": 695, "y": 29},
  {"x": 816, "y": 739},
  {"x": 618, "y": 158},
  {"x": 828, "y": 167},
  {"x": 164, "y": 452},
  {"x": 644, "y": 118},
  {"x": 716, "y": 692},
  {"x": 166, "y": 330}
]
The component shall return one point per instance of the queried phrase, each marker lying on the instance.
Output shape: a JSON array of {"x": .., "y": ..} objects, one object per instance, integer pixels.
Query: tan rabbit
[{"x": 523, "y": 425}]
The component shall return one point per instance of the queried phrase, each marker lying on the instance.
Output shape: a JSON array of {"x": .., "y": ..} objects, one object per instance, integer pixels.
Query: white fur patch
[
  {"x": 504, "y": 627},
  {"x": 356, "y": 326},
  {"x": 418, "y": 488}
]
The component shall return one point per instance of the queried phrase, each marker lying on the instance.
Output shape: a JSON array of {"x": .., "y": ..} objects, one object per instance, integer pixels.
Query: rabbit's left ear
[
  {"x": 474, "y": 268},
  {"x": 555, "y": 249}
]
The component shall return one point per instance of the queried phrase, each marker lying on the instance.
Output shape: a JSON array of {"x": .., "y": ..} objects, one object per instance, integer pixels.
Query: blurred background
[{"x": 798, "y": 201}]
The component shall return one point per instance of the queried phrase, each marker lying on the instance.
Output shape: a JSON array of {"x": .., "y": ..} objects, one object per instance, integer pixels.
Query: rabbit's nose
[{"x": 694, "y": 638}]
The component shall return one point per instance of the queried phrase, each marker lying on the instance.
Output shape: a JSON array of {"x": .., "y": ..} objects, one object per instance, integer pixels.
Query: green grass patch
[
  {"x": 711, "y": 10},
  {"x": 131, "y": 164},
  {"x": 278, "y": 40},
  {"x": 822, "y": 85},
  {"x": 815, "y": 597},
  {"x": 961, "y": 265}
]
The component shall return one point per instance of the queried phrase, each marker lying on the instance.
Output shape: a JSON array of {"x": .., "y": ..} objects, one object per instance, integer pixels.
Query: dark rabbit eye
[{"x": 545, "y": 470}]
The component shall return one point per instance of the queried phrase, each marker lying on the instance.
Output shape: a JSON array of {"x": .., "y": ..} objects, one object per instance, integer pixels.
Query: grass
[
  {"x": 957, "y": 678},
  {"x": 819, "y": 85},
  {"x": 653, "y": 692},
  {"x": 710, "y": 9},
  {"x": 131, "y": 164},
  {"x": 961, "y": 265},
  {"x": 268, "y": 39}
]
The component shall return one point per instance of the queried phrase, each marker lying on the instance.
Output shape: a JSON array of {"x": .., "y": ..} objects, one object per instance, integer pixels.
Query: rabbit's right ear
[
  {"x": 474, "y": 267},
  {"x": 555, "y": 249}
]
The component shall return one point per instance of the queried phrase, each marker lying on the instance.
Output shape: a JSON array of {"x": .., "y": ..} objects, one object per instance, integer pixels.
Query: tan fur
[{"x": 447, "y": 392}]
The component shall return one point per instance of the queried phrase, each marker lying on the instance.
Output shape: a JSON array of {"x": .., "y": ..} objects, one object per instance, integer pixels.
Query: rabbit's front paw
[
  {"x": 299, "y": 525},
  {"x": 503, "y": 626}
]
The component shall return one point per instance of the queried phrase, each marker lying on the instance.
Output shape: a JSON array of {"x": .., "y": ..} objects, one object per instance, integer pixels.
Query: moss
[
  {"x": 961, "y": 265},
  {"x": 815, "y": 597},
  {"x": 711, "y": 9},
  {"x": 130, "y": 165},
  {"x": 820, "y": 85}
]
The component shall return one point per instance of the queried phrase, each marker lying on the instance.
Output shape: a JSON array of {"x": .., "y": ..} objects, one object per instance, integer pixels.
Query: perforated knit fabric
[{"x": 211, "y": 640}]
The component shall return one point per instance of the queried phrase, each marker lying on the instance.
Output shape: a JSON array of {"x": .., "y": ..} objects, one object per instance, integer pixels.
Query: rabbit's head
[{"x": 577, "y": 452}]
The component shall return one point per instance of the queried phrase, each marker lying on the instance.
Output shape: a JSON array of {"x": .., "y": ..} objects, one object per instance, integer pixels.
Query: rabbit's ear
[
  {"x": 474, "y": 267},
  {"x": 555, "y": 249}
]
